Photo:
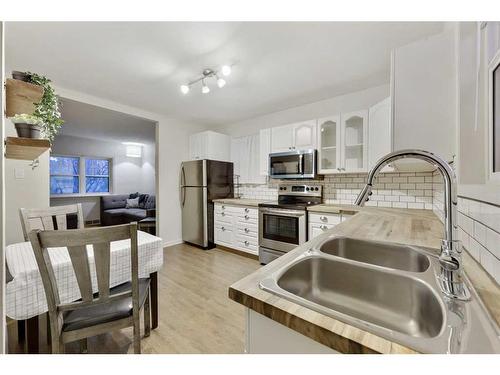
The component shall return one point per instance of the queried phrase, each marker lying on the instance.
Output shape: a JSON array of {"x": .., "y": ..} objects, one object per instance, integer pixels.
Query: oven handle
[
  {"x": 288, "y": 213},
  {"x": 301, "y": 164}
]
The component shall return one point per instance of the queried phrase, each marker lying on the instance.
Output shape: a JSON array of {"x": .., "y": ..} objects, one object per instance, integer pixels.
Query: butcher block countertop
[
  {"x": 241, "y": 202},
  {"x": 411, "y": 227},
  {"x": 334, "y": 208}
]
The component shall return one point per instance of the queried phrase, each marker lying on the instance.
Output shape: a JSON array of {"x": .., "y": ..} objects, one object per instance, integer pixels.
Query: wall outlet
[{"x": 19, "y": 173}]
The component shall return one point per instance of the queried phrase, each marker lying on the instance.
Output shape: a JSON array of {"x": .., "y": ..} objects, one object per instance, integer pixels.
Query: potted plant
[
  {"x": 27, "y": 126},
  {"x": 46, "y": 110}
]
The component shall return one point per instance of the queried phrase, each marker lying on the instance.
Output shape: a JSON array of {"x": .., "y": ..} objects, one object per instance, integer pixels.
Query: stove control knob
[
  {"x": 316, "y": 188},
  {"x": 307, "y": 188}
]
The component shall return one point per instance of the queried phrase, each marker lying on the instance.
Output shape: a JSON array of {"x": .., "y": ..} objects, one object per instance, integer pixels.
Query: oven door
[
  {"x": 295, "y": 164},
  {"x": 281, "y": 229}
]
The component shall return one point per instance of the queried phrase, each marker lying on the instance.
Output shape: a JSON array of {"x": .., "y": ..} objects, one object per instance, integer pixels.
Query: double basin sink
[{"x": 386, "y": 289}]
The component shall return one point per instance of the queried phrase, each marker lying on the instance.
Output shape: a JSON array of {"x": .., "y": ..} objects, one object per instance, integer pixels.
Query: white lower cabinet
[
  {"x": 237, "y": 227},
  {"x": 320, "y": 222}
]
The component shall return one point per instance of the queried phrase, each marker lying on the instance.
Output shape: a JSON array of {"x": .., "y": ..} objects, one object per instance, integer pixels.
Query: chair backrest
[
  {"x": 43, "y": 218},
  {"x": 76, "y": 242}
]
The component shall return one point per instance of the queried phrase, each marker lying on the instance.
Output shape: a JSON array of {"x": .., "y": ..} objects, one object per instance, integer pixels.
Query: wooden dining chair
[
  {"x": 95, "y": 313},
  {"x": 50, "y": 218}
]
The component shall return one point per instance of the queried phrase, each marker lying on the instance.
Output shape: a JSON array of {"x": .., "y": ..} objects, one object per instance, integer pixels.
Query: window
[
  {"x": 97, "y": 175},
  {"x": 64, "y": 175},
  {"x": 74, "y": 175}
]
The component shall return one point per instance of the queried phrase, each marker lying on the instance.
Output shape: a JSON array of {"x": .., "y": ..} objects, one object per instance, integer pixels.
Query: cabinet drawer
[
  {"x": 223, "y": 235},
  {"x": 224, "y": 217},
  {"x": 317, "y": 229},
  {"x": 247, "y": 212},
  {"x": 248, "y": 230},
  {"x": 248, "y": 244},
  {"x": 246, "y": 220},
  {"x": 320, "y": 218},
  {"x": 219, "y": 207}
]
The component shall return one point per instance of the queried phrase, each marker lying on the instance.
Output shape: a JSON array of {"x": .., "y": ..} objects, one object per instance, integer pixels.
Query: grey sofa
[{"x": 114, "y": 211}]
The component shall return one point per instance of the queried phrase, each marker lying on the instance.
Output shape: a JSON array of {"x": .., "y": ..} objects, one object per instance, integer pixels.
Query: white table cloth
[{"x": 25, "y": 296}]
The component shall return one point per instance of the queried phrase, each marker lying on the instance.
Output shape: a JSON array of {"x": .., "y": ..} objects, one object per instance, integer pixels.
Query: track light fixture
[{"x": 208, "y": 73}]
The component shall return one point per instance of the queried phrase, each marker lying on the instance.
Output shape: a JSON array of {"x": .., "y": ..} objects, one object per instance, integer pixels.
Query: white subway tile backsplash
[
  {"x": 480, "y": 233},
  {"x": 466, "y": 223},
  {"x": 478, "y": 236},
  {"x": 493, "y": 242}
]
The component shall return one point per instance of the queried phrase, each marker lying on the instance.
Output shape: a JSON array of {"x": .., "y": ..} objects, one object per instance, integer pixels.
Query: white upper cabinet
[
  {"x": 304, "y": 134},
  {"x": 423, "y": 76},
  {"x": 265, "y": 150},
  {"x": 209, "y": 145},
  {"x": 282, "y": 138},
  {"x": 354, "y": 144},
  {"x": 379, "y": 132},
  {"x": 299, "y": 136},
  {"x": 329, "y": 145}
]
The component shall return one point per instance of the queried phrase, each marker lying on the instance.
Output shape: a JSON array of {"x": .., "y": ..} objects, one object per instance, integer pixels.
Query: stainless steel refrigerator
[{"x": 201, "y": 182}]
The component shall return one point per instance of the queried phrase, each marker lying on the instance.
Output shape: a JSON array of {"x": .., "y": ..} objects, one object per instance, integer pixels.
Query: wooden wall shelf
[
  {"x": 25, "y": 148},
  {"x": 20, "y": 97}
]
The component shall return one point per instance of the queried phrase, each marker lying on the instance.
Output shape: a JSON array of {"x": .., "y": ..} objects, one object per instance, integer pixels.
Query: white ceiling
[
  {"x": 88, "y": 121},
  {"x": 278, "y": 64}
]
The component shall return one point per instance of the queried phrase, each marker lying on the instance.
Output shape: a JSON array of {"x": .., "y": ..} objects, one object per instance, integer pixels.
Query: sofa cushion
[
  {"x": 113, "y": 201},
  {"x": 116, "y": 211},
  {"x": 135, "y": 213}
]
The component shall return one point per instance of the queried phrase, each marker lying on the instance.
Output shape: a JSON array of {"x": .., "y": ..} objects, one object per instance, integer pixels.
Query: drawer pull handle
[
  {"x": 323, "y": 218},
  {"x": 223, "y": 229},
  {"x": 324, "y": 227},
  {"x": 247, "y": 230},
  {"x": 223, "y": 207},
  {"x": 223, "y": 213},
  {"x": 247, "y": 210},
  {"x": 247, "y": 217},
  {"x": 247, "y": 243}
]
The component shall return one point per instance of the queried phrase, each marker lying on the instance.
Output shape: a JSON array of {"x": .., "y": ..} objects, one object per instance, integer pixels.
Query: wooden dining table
[{"x": 25, "y": 296}]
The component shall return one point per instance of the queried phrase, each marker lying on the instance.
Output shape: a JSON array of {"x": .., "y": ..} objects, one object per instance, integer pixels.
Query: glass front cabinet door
[
  {"x": 355, "y": 142},
  {"x": 329, "y": 145}
]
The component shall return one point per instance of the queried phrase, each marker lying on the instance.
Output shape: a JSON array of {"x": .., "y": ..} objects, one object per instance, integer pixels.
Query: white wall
[
  {"x": 172, "y": 147},
  {"x": 30, "y": 191},
  {"x": 343, "y": 103}
]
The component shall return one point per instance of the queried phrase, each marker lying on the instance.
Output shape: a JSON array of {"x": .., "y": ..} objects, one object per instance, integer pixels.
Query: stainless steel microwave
[{"x": 293, "y": 164}]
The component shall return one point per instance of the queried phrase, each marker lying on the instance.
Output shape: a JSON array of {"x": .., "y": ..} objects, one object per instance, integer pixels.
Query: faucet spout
[{"x": 450, "y": 257}]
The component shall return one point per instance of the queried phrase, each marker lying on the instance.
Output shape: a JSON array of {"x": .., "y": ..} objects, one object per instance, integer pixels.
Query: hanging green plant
[{"x": 48, "y": 108}]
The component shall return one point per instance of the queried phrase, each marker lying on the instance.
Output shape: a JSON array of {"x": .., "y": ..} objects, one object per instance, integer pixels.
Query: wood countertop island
[{"x": 410, "y": 227}]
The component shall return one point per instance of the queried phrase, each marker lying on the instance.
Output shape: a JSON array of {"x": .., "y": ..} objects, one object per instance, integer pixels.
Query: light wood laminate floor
[{"x": 196, "y": 315}]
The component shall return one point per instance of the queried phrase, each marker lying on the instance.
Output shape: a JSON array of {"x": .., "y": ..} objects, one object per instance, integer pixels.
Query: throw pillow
[
  {"x": 150, "y": 203},
  {"x": 133, "y": 195},
  {"x": 142, "y": 200},
  {"x": 133, "y": 203}
]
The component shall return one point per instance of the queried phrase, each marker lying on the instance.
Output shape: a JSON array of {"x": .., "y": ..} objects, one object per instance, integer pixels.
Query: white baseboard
[{"x": 172, "y": 243}]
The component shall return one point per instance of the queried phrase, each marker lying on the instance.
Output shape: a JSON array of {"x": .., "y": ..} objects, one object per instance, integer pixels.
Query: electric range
[{"x": 283, "y": 224}]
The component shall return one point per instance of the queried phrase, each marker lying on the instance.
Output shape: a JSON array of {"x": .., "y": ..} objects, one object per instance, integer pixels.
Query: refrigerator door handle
[
  {"x": 183, "y": 196},
  {"x": 183, "y": 176}
]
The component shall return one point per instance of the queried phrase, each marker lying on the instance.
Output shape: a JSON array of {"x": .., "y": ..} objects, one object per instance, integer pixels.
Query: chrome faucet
[{"x": 450, "y": 278}]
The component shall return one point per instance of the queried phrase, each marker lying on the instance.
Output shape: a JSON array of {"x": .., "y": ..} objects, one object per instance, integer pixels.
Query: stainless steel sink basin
[
  {"x": 388, "y": 290},
  {"x": 388, "y": 300},
  {"x": 388, "y": 255}
]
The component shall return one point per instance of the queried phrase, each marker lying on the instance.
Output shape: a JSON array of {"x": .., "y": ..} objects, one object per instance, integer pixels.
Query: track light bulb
[
  {"x": 184, "y": 89},
  {"x": 226, "y": 70},
  {"x": 205, "y": 89},
  {"x": 221, "y": 82}
]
